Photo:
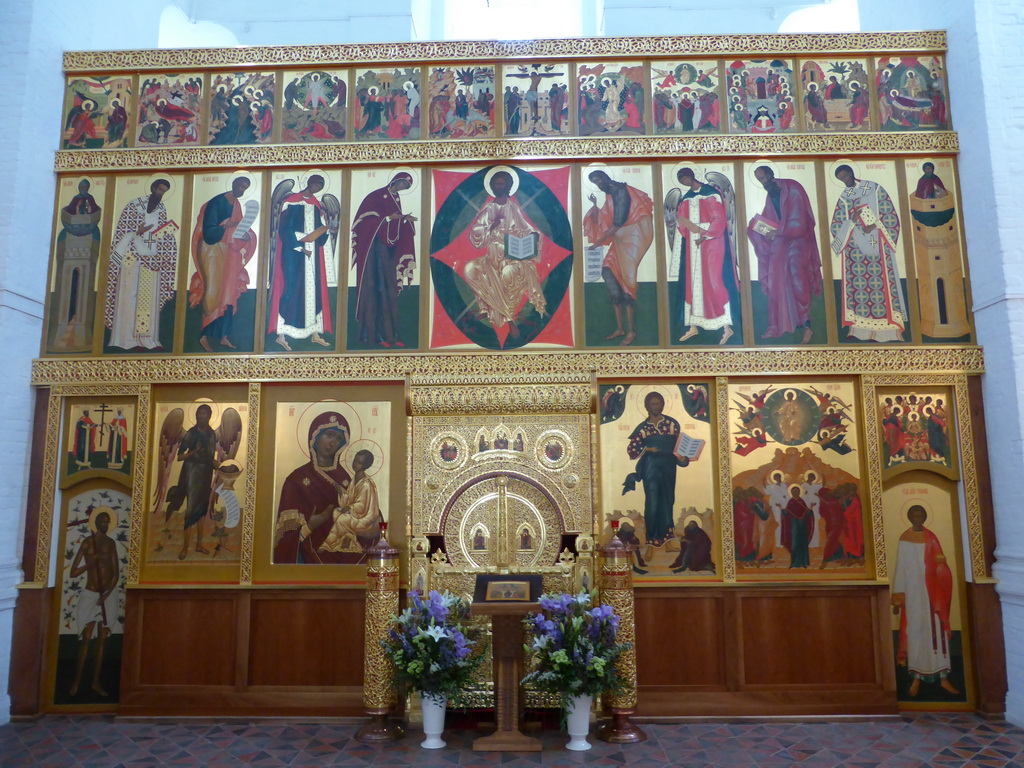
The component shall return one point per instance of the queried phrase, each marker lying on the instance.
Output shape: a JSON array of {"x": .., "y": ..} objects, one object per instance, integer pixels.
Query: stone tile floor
[{"x": 933, "y": 740}]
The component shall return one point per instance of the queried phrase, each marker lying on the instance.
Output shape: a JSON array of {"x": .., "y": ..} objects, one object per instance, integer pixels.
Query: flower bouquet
[
  {"x": 429, "y": 649},
  {"x": 574, "y": 647},
  {"x": 574, "y": 651}
]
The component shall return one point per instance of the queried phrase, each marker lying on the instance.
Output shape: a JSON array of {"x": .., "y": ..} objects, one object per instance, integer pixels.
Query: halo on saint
[
  {"x": 96, "y": 513},
  {"x": 194, "y": 406},
  {"x": 697, "y": 168},
  {"x": 641, "y": 393},
  {"x": 797, "y": 486},
  {"x": 250, "y": 190},
  {"x": 835, "y": 165},
  {"x": 917, "y": 502},
  {"x": 312, "y": 411},
  {"x": 499, "y": 169},
  {"x": 161, "y": 176},
  {"x": 304, "y": 179},
  {"x": 365, "y": 445},
  {"x": 694, "y": 518},
  {"x": 408, "y": 170},
  {"x": 757, "y": 164},
  {"x": 588, "y": 185}
]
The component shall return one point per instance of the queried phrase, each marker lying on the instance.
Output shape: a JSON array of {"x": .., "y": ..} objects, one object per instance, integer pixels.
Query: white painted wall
[{"x": 987, "y": 106}]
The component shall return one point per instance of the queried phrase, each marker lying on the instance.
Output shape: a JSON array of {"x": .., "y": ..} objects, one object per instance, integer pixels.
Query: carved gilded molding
[
  {"x": 728, "y": 558},
  {"x": 970, "y": 478},
  {"x": 77, "y": 374},
  {"x": 874, "y": 467},
  {"x": 136, "y": 546},
  {"x": 251, "y": 464},
  {"x": 322, "y": 155},
  {"x": 468, "y": 50},
  {"x": 529, "y": 398},
  {"x": 46, "y": 491}
]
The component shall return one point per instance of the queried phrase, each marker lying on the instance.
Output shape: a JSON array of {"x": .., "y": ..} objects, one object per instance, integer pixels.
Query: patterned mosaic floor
[{"x": 930, "y": 740}]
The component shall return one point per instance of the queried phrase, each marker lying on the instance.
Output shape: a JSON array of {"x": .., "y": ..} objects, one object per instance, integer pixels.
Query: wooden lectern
[{"x": 507, "y": 657}]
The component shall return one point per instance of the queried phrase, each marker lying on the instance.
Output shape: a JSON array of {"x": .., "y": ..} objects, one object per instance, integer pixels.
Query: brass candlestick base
[
  {"x": 620, "y": 729},
  {"x": 379, "y": 729}
]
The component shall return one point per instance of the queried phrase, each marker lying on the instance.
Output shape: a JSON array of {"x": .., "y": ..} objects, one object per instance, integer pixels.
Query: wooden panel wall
[
  {"x": 764, "y": 650},
  {"x": 243, "y": 652}
]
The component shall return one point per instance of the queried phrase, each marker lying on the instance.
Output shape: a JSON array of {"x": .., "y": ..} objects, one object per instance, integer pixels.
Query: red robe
[{"x": 853, "y": 532}]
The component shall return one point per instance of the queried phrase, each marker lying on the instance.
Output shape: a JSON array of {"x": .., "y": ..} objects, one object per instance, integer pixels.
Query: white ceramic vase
[
  {"x": 433, "y": 720},
  {"x": 577, "y": 722}
]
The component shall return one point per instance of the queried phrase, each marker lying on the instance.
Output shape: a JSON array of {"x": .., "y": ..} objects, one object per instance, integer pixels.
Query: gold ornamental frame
[{"x": 676, "y": 45}]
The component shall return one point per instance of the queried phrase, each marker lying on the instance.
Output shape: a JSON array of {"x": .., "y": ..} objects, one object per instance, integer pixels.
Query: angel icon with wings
[
  {"x": 205, "y": 483},
  {"x": 708, "y": 284},
  {"x": 300, "y": 272}
]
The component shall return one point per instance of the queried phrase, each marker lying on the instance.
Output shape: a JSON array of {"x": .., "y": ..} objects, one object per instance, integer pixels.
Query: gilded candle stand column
[
  {"x": 379, "y": 693},
  {"x": 617, "y": 591}
]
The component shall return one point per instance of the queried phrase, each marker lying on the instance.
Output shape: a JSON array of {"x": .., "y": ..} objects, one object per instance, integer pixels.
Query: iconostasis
[{"x": 288, "y": 286}]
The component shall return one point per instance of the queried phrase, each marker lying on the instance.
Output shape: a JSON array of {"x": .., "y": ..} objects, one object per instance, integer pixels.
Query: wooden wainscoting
[
  {"x": 764, "y": 650},
  {"x": 243, "y": 652}
]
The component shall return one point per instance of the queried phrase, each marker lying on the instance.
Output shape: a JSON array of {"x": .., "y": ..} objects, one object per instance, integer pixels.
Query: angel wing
[
  {"x": 332, "y": 218},
  {"x": 721, "y": 183},
  {"x": 171, "y": 433},
  {"x": 671, "y": 205},
  {"x": 839, "y": 401},
  {"x": 229, "y": 434},
  {"x": 281, "y": 191}
]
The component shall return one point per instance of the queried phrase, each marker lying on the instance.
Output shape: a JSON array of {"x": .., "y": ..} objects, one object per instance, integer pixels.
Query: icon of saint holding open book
[
  {"x": 660, "y": 446},
  {"x": 507, "y": 270}
]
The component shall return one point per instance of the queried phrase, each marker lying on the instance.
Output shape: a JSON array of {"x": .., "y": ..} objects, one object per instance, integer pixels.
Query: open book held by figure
[
  {"x": 688, "y": 447},
  {"x": 522, "y": 248}
]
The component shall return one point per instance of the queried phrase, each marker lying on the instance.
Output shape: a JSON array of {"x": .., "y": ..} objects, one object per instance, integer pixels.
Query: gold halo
[
  {"x": 588, "y": 185},
  {"x": 797, "y": 486},
  {"x": 114, "y": 520},
  {"x": 354, "y": 447},
  {"x": 757, "y": 164},
  {"x": 253, "y": 182},
  {"x": 312, "y": 410},
  {"x": 697, "y": 169},
  {"x": 643, "y": 391},
  {"x": 76, "y": 180},
  {"x": 497, "y": 169},
  {"x": 406, "y": 169},
  {"x": 169, "y": 194},
  {"x": 811, "y": 472},
  {"x": 190, "y": 411},
  {"x": 303, "y": 179},
  {"x": 694, "y": 518},
  {"x": 831, "y": 173},
  {"x": 915, "y": 502}
]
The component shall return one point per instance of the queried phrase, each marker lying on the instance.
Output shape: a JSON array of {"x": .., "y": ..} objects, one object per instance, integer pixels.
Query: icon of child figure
[{"x": 358, "y": 515}]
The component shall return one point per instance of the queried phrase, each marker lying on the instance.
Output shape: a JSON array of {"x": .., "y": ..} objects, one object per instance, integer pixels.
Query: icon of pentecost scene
[
  {"x": 674, "y": 334},
  {"x": 796, "y": 488}
]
